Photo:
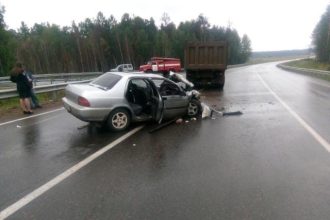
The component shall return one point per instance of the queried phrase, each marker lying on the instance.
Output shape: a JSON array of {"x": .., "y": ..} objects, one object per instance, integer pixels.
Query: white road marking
[
  {"x": 44, "y": 120},
  {"x": 247, "y": 94},
  {"x": 50, "y": 184},
  {"x": 317, "y": 136},
  {"x": 32, "y": 116}
]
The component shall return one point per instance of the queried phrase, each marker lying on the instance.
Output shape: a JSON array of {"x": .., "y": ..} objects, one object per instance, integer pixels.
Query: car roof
[{"x": 136, "y": 74}]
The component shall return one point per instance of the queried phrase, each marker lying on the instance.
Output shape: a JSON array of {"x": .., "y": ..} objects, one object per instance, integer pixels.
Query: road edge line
[
  {"x": 53, "y": 182},
  {"x": 302, "y": 122},
  {"x": 32, "y": 116}
]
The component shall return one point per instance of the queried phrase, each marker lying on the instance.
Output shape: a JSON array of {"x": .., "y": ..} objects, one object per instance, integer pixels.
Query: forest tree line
[
  {"x": 321, "y": 38},
  {"x": 102, "y": 43}
]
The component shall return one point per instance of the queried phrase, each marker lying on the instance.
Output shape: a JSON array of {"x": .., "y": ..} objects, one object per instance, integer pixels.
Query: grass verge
[
  {"x": 12, "y": 104},
  {"x": 309, "y": 64},
  {"x": 260, "y": 60}
]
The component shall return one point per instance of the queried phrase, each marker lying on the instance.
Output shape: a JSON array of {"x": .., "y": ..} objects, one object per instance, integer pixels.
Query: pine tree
[
  {"x": 246, "y": 48},
  {"x": 321, "y": 37}
]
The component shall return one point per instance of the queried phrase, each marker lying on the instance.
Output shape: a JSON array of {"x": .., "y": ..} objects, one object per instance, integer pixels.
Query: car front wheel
[
  {"x": 119, "y": 120},
  {"x": 194, "y": 108}
]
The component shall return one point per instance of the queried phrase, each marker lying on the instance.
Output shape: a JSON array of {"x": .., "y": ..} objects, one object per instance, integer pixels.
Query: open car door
[
  {"x": 175, "y": 100},
  {"x": 157, "y": 103}
]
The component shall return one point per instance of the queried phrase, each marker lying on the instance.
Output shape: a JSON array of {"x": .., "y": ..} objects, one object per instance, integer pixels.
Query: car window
[
  {"x": 139, "y": 91},
  {"x": 166, "y": 88},
  {"x": 157, "y": 82},
  {"x": 106, "y": 81},
  {"x": 140, "y": 83}
]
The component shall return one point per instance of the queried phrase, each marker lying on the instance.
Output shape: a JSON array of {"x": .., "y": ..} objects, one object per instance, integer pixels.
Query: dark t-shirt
[{"x": 22, "y": 85}]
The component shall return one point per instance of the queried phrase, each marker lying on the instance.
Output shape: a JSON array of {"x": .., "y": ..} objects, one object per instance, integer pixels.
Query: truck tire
[
  {"x": 220, "y": 86},
  {"x": 222, "y": 82}
]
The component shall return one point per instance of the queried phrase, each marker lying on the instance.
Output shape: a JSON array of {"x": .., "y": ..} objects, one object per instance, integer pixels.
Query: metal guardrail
[
  {"x": 78, "y": 77},
  {"x": 57, "y": 78},
  {"x": 10, "y": 93},
  {"x": 63, "y": 76}
]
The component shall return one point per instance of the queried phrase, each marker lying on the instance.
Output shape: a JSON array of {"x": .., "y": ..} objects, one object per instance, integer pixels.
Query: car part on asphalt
[
  {"x": 232, "y": 113},
  {"x": 179, "y": 121},
  {"x": 208, "y": 112},
  {"x": 160, "y": 126}
]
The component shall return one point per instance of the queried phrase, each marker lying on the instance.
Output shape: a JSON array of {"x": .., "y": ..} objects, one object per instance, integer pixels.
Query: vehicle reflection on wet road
[{"x": 260, "y": 165}]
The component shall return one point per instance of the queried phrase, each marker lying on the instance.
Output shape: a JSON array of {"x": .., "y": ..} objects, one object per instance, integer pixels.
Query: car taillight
[{"x": 83, "y": 102}]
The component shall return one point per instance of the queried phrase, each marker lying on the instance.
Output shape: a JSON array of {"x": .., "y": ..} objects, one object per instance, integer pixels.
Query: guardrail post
[{"x": 54, "y": 95}]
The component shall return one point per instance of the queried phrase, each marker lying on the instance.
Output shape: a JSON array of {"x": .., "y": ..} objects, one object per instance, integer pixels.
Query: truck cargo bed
[{"x": 206, "y": 62}]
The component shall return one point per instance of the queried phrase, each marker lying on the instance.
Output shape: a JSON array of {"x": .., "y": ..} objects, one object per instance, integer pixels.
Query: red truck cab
[{"x": 161, "y": 64}]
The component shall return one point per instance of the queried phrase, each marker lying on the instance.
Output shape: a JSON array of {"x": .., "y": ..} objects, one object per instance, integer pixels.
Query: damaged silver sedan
[{"x": 116, "y": 99}]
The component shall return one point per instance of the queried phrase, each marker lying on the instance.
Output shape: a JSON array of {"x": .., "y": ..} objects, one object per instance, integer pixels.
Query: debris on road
[
  {"x": 232, "y": 113},
  {"x": 163, "y": 125},
  {"x": 179, "y": 121},
  {"x": 208, "y": 112},
  {"x": 83, "y": 126}
]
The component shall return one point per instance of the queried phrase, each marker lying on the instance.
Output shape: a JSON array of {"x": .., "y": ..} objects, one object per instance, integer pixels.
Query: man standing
[{"x": 34, "y": 99}]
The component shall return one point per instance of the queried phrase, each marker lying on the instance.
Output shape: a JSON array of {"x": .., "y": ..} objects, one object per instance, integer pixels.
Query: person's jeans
[{"x": 34, "y": 99}]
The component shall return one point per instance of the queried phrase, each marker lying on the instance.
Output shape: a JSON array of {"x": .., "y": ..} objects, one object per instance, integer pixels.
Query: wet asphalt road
[{"x": 261, "y": 165}]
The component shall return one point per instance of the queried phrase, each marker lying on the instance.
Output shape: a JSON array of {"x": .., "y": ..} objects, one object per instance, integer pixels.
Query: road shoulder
[{"x": 16, "y": 113}]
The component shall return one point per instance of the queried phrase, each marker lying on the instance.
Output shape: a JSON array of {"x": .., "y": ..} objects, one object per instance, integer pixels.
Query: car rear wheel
[
  {"x": 119, "y": 120},
  {"x": 194, "y": 108}
]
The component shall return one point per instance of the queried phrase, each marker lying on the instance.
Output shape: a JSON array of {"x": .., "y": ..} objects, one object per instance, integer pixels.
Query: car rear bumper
[{"x": 87, "y": 114}]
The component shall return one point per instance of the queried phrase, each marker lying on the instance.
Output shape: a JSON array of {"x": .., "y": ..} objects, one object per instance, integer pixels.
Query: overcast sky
[{"x": 270, "y": 24}]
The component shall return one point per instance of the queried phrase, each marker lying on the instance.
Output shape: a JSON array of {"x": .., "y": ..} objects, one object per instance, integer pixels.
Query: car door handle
[{"x": 164, "y": 98}]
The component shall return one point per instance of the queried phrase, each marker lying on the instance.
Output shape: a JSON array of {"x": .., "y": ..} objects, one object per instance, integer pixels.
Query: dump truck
[{"x": 206, "y": 63}]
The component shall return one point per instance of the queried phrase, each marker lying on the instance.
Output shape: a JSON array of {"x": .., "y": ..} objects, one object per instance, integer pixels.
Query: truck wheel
[
  {"x": 194, "y": 108},
  {"x": 118, "y": 120},
  {"x": 222, "y": 82}
]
